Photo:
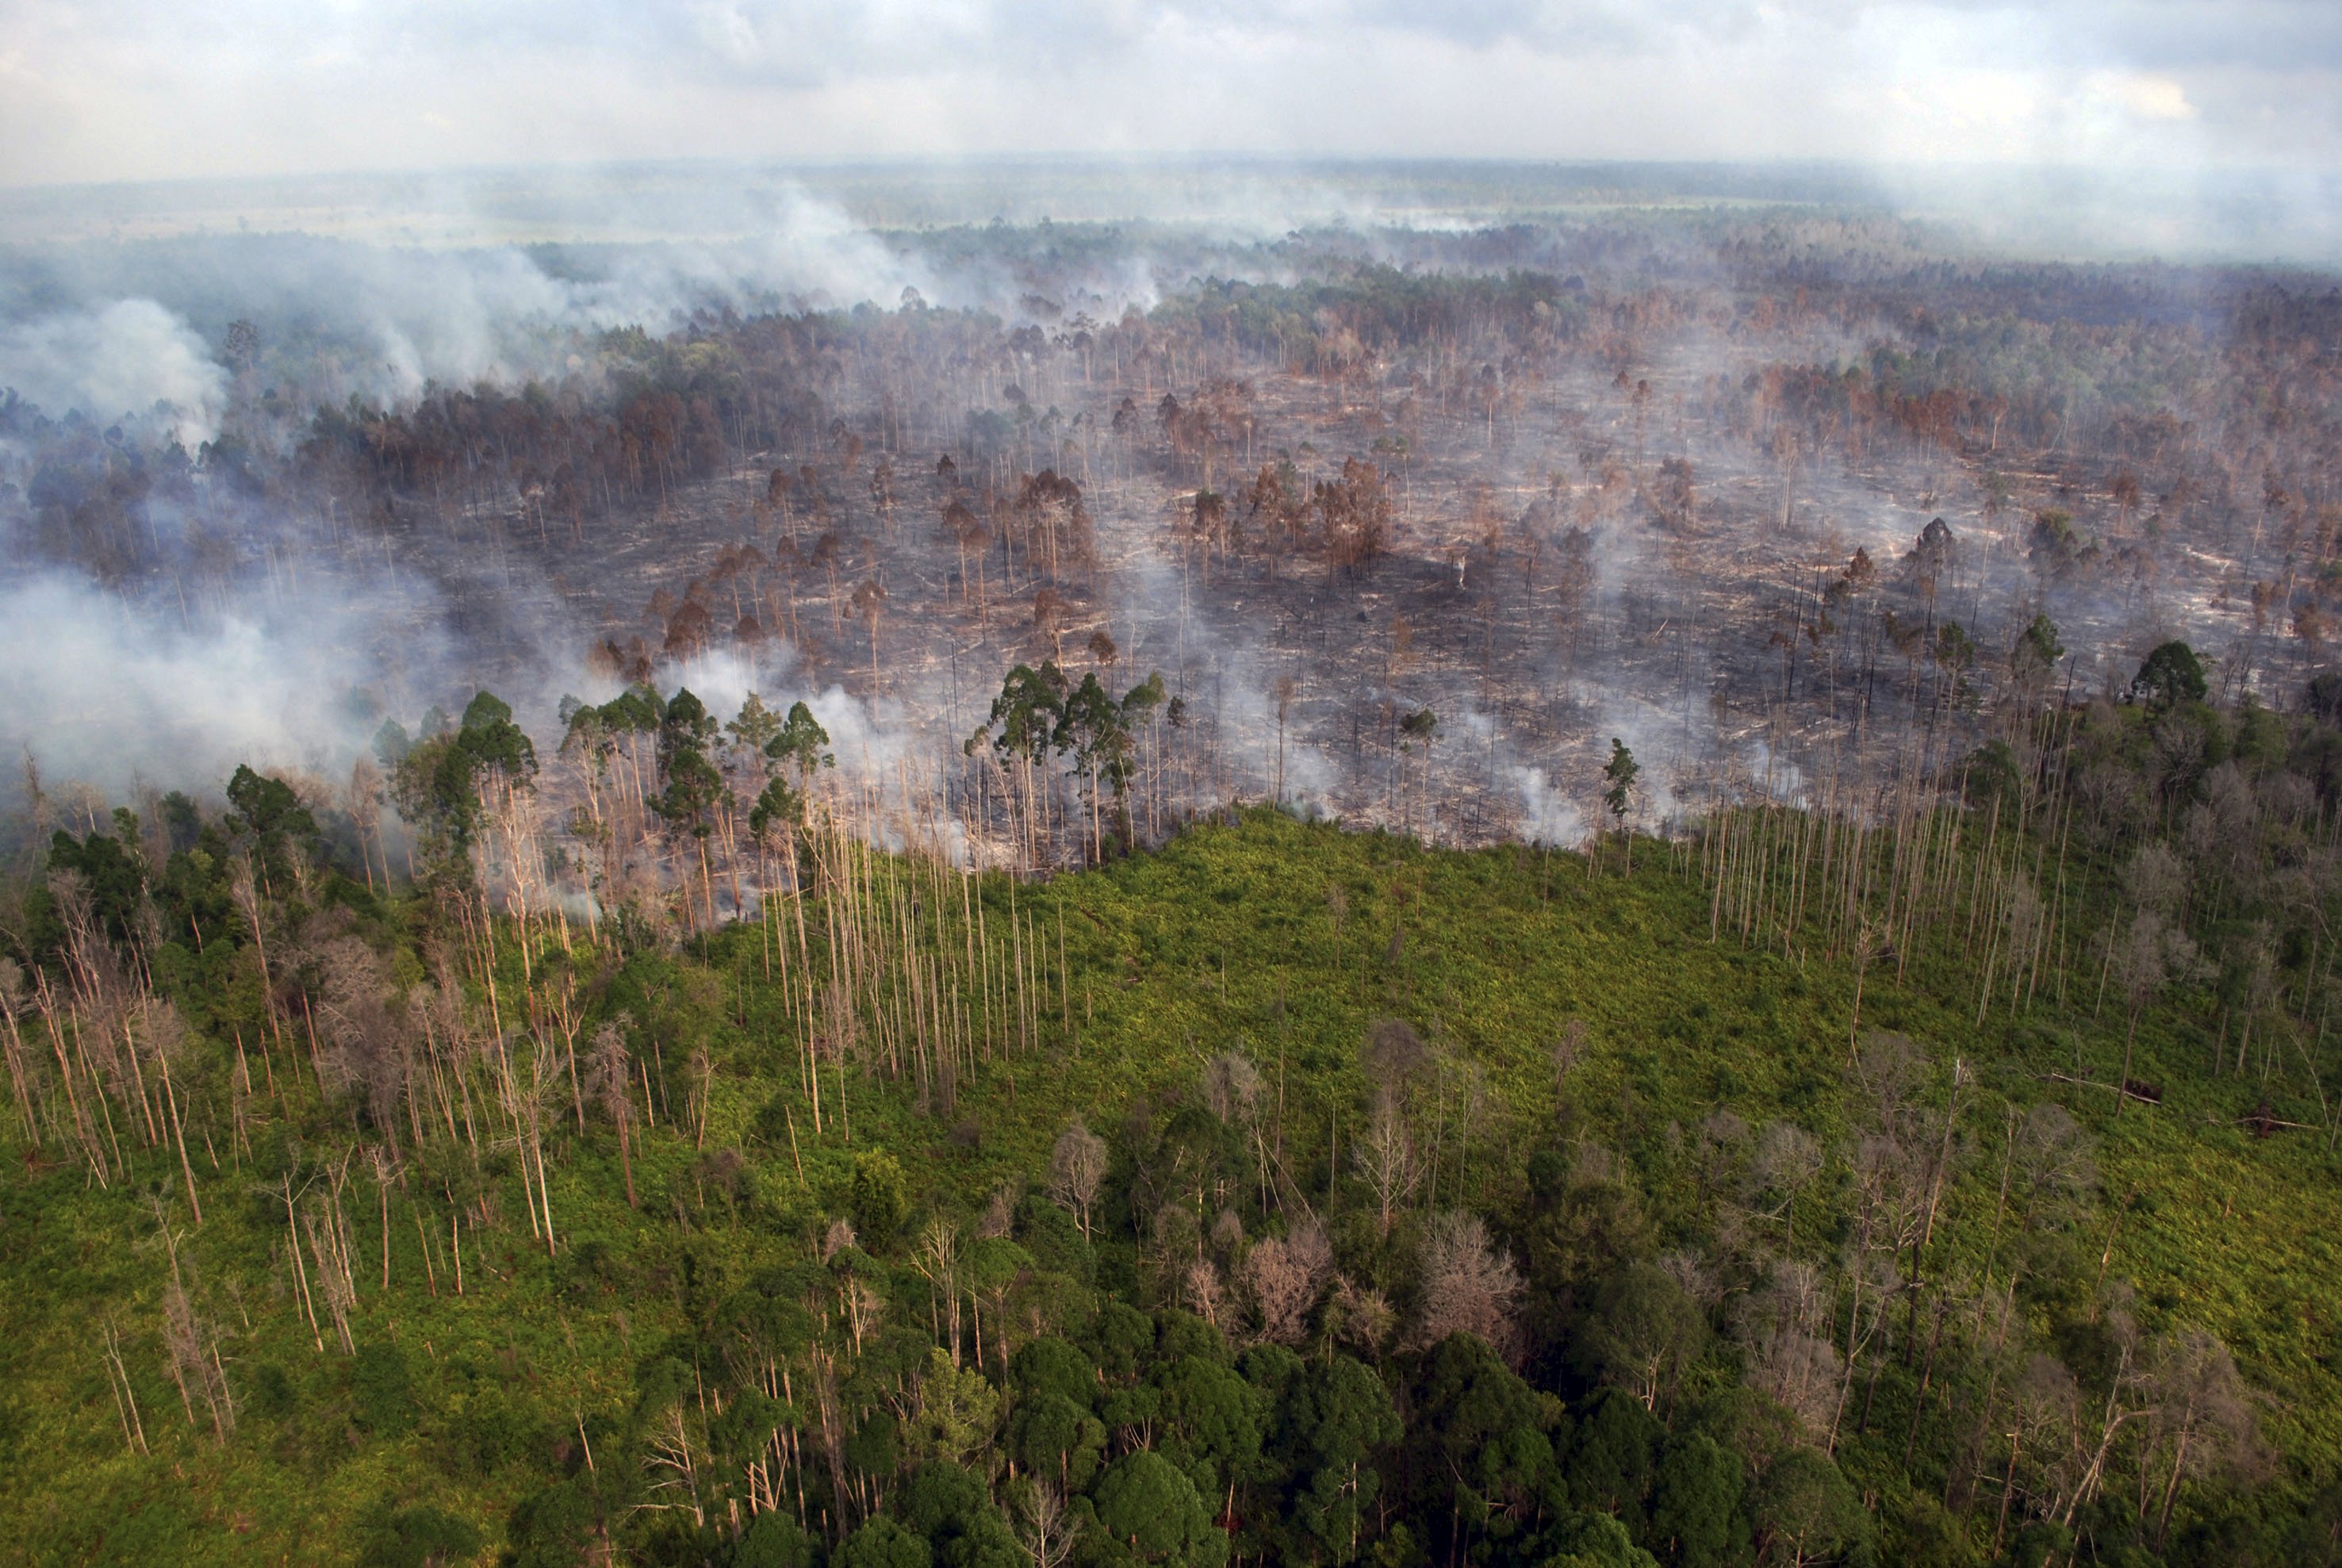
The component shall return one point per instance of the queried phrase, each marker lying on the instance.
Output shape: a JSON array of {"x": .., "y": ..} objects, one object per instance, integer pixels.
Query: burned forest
[
  {"x": 1596, "y": 867},
  {"x": 1793, "y": 529}
]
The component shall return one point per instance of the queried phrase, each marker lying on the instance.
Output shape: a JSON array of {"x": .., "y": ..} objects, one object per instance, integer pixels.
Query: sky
[{"x": 114, "y": 90}]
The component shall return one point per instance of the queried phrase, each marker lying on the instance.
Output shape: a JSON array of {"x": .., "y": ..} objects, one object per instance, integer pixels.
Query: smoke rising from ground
[
  {"x": 463, "y": 288},
  {"x": 379, "y": 285},
  {"x": 103, "y": 328},
  {"x": 128, "y": 359},
  {"x": 102, "y": 694}
]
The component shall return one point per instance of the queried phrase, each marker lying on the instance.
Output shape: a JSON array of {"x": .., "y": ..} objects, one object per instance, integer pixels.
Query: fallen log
[{"x": 2132, "y": 1089}]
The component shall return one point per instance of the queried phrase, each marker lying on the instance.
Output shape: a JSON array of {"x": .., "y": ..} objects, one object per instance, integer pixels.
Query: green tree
[
  {"x": 1581, "y": 1540},
  {"x": 1807, "y": 1513},
  {"x": 493, "y": 739},
  {"x": 951, "y": 1506},
  {"x": 1090, "y": 729},
  {"x": 2057, "y": 550},
  {"x": 801, "y": 743},
  {"x": 392, "y": 743},
  {"x": 693, "y": 784},
  {"x": 553, "y": 1528},
  {"x": 2170, "y": 675},
  {"x": 1025, "y": 723},
  {"x": 1123, "y": 1337},
  {"x": 1992, "y": 772},
  {"x": 1643, "y": 1330},
  {"x": 958, "y": 1410},
  {"x": 113, "y": 873},
  {"x": 2036, "y": 652},
  {"x": 779, "y": 805},
  {"x": 773, "y": 1540},
  {"x": 418, "y": 1537},
  {"x": 881, "y": 1198},
  {"x": 1484, "y": 1455},
  {"x": 1921, "y": 1532},
  {"x": 875, "y": 1448},
  {"x": 1695, "y": 1502},
  {"x": 1619, "y": 775},
  {"x": 1049, "y": 1435},
  {"x": 1148, "y": 1508},
  {"x": 1336, "y": 1417},
  {"x": 796, "y": 743},
  {"x": 1143, "y": 698},
  {"x": 443, "y": 783},
  {"x": 882, "y": 1543},
  {"x": 1610, "y": 1463},
  {"x": 754, "y": 727},
  {"x": 1051, "y": 1366},
  {"x": 266, "y": 810},
  {"x": 1211, "y": 1422},
  {"x": 1586, "y": 1222}
]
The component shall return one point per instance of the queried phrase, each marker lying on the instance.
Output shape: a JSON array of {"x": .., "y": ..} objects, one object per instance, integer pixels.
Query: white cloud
[
  {"x": 109, "y": 89},
  {"x": 2147, "y": 97}
]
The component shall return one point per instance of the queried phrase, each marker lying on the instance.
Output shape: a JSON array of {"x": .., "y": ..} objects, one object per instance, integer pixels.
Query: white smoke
[
  {"x": 502, "y": 314},
  {"x": 103, "y": 327},
  {"x": 129, "y": 360},
  {"x": 99, "y": 695},
  {"x": 1547, "y": 815},
  {"x": 721, "y": 678}
]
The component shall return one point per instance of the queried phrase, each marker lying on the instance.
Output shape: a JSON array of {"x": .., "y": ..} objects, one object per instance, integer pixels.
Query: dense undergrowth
[{"x": 1337, "y": 1113}]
